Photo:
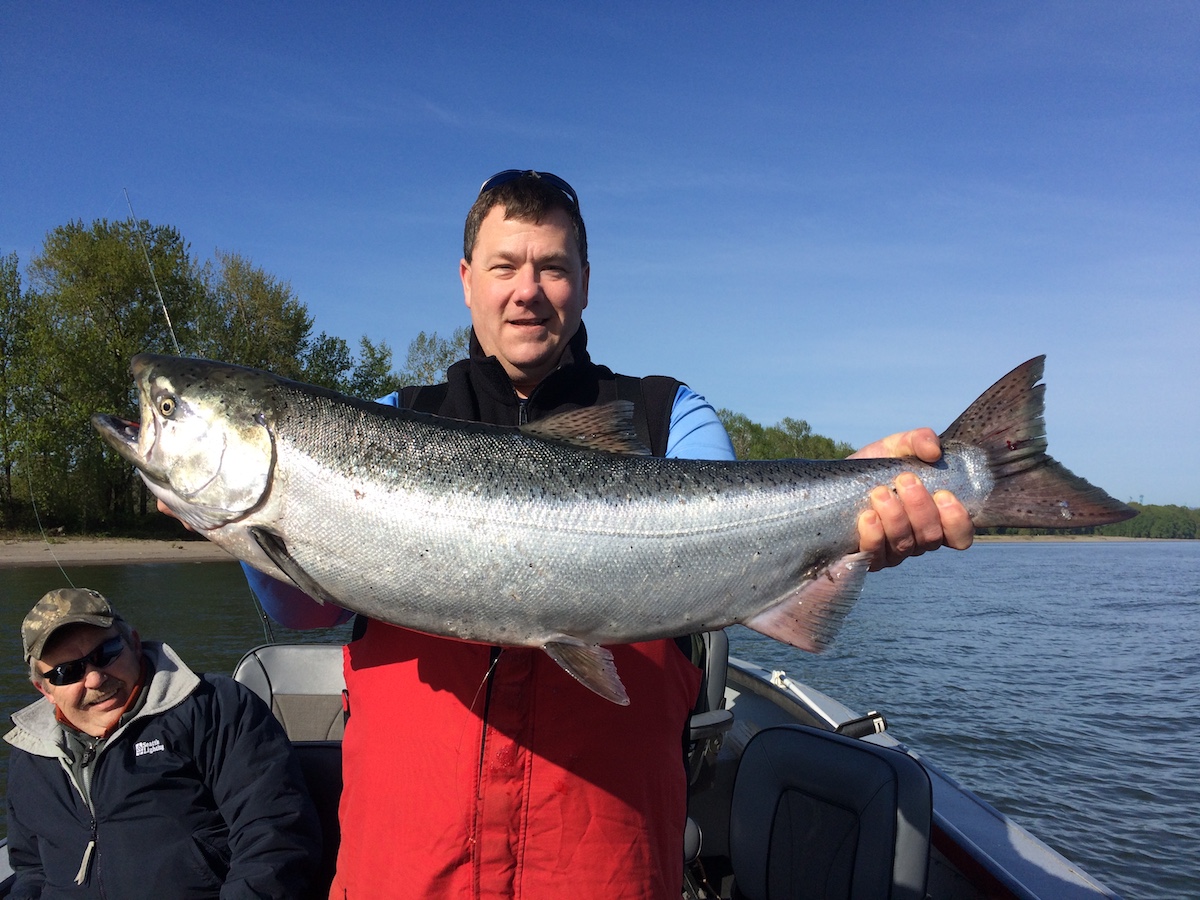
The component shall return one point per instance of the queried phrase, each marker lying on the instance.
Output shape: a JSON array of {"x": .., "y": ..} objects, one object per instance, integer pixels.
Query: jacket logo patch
[{"x": 141, "y": 748}]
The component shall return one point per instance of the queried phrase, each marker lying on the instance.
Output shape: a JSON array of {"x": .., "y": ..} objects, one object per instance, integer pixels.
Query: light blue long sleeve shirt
[{"x": 695, "y": 433}]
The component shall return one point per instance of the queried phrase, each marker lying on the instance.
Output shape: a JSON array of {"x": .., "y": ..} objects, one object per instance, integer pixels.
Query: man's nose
[{"x": 527, "y": 286}]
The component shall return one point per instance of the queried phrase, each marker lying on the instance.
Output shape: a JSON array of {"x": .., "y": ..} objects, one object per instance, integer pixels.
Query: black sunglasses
[
  {"x": 73, "y": 671},
  {"x": 549, "y": 177}
]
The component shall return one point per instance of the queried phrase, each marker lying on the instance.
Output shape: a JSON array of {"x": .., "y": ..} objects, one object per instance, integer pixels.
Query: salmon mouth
[
  {"x": 124, "y": 436},
  {"x": 121, "y": 434}
]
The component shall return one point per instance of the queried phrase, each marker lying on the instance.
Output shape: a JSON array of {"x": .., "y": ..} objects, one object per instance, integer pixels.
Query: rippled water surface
[{"x": 1057, "y": 680}]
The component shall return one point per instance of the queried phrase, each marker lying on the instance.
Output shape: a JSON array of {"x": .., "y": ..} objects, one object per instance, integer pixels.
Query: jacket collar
[
  {"x": 170, "y": 684},
  {"x": 484, "y": 378}
]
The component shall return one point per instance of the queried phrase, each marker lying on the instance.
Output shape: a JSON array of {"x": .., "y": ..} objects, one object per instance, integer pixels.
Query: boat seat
[
  {"x": 321, "y": 762},
  {"x": 820, "y": 815},
  {"x": 302, "y": 683},
  {"x": 707, "y": 724},
  {"x": 709, "y": 719}
]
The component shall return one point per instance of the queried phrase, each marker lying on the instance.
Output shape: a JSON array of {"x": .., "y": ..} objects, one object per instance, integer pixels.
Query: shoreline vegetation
[{"x": 32, "y": 551}]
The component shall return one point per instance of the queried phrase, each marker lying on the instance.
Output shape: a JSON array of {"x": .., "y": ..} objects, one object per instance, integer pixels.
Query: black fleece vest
[{"x": 478, "y": 389}]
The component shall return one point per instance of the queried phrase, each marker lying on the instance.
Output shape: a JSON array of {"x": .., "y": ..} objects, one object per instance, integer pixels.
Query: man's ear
[
  {"x": 464, "y": 275},
  {"x": 41, "y": 688}
]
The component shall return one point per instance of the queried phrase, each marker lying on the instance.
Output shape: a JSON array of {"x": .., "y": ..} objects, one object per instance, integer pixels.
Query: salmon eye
[{"x": 166, "y": 406}]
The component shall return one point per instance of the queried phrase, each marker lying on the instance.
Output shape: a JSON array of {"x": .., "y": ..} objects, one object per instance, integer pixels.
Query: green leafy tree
[
  {"x": 372, "y": 374},
  {"x": 429, "y": 356},
  {"x": 327, "y": 363},
  {"x": 15, "y": 362},
  {"x": 1157, "y": 522},
  {"x": 93, "y": 305},
  {"x": 789, "y": 439},
  {"x": 249, "y": 317}
]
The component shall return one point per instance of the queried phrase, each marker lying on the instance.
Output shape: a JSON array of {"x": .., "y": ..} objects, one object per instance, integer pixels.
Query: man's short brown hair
[{"x": 527, "y": 198}]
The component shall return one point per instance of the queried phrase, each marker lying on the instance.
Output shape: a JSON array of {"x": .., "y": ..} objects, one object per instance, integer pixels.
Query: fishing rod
[{"x": 146, "y": 253}]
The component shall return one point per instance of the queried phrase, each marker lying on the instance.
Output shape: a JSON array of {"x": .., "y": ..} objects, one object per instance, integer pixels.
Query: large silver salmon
[{"x": 563, "y": 534}]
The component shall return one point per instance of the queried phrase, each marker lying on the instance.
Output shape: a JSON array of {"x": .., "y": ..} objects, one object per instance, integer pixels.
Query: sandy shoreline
[
  {"x": 17, "y": 552},
  {"x": 21, "y": 552}
]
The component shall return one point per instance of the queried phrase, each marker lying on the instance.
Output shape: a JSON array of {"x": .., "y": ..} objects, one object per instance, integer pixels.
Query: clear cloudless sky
[{"x": 858, "y": 214}]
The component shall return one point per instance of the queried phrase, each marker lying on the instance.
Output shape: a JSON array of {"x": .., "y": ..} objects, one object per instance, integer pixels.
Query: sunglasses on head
[
  {"x": 73, "y": 671},
  {"x": 549, "y": 177}
]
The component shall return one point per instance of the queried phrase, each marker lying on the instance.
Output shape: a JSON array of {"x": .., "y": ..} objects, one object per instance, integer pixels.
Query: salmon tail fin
[{"x": 1032, "y": 489}]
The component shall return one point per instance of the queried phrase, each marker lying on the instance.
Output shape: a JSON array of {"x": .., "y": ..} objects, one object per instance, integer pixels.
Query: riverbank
[
  {"x": 68, "y": 551},
  {"x": 20, "y": 552}
]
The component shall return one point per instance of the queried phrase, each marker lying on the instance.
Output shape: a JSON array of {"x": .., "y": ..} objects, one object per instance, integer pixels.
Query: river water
[{"x": 1057, "y": 680}]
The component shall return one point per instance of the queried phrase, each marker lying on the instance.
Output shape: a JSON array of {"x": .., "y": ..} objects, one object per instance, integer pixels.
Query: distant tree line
[
  {"x": 99, "y": 294},
  {"x": 789, "y": 439},
  {"x": 1155, "y": 522}
]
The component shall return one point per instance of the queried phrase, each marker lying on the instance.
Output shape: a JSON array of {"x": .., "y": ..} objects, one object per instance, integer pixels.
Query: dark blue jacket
[{"x": 198, "y": 795}]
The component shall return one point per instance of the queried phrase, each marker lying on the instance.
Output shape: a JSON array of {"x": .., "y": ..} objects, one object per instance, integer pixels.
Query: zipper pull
[{"x": 81, "y": 875}]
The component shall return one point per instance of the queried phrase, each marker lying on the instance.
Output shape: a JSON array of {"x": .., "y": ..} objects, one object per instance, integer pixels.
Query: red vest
[{"x": 529, "y": 786}]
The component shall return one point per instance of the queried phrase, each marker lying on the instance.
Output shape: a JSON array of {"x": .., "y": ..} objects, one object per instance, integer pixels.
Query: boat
[{"x": 792, "y": 794}]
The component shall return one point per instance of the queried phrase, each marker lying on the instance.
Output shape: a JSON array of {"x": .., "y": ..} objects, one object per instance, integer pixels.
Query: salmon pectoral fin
[
  {"x": 275, "y": 548},
  {"x": 810, "y": 616},
  {"x": 589, "y": 664}
]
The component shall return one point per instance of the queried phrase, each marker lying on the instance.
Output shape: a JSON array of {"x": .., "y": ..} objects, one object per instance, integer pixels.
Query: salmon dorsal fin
[
  {"x": 811, "y": 615},
  {"x": 608, "y": 428}
]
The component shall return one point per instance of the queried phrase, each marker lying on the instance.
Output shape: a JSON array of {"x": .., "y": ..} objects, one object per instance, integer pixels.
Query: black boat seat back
[
  {"x": 820, "y": 815},
  {"x": 302, "y": 683},
  {"x": 321, "y": 763},
  {"x": 709, "y": 719}
]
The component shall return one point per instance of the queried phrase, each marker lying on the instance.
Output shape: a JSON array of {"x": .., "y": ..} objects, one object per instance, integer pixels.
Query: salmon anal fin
[
  {"x": 589, "y": 664},
  {"x": 810, "y": 616}
]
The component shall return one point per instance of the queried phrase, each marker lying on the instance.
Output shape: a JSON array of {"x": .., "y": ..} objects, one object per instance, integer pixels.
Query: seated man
[{"x": 141, "y": 778}]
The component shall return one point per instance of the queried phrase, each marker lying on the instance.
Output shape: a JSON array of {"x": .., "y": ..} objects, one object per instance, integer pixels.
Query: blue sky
[{"x": 856, "y": 214}]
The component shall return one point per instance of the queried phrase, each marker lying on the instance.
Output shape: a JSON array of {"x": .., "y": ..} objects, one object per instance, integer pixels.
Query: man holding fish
[{"x": 472, "y": 770}]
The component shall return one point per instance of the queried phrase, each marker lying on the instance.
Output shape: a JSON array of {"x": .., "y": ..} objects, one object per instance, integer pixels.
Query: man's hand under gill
[{"x": 166, "y": 510}]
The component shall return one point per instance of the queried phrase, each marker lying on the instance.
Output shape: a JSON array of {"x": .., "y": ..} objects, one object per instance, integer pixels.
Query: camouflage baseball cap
[{"x": 60, "y": 607}]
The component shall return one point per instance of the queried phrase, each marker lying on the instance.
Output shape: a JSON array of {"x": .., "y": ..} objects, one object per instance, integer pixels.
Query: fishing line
[
  {"x": 153, "y": 278},
  {"x": 461, "y": 755},
  {"x": 37, "y": 517},
  {"x": 268, "y": 632}
]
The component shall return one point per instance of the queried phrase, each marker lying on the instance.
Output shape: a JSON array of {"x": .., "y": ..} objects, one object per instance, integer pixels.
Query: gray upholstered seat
[{"x": 303, "y": 685}]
